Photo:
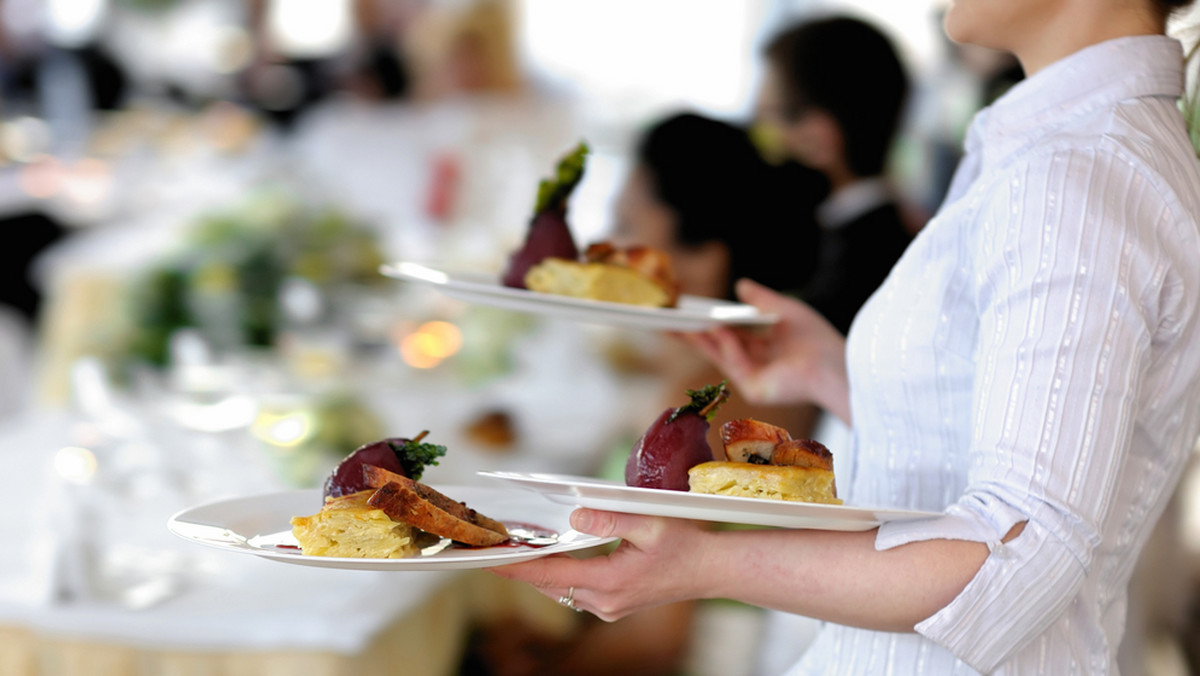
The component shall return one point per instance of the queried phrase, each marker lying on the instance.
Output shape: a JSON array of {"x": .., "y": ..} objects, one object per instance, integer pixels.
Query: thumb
[
  {"x": 611, "y": 524},
  {"x": 753, "y": 293}
]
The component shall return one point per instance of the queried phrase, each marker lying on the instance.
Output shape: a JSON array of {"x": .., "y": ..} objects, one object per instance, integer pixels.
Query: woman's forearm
[{"x": 840, "y": 576}]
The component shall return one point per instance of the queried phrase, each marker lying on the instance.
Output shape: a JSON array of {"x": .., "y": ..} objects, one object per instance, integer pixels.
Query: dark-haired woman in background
[{"x": 700, "y": 190}]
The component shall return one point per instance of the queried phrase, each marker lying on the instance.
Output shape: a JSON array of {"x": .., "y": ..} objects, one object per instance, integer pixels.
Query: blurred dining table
[{"x": 93, "y": 583}]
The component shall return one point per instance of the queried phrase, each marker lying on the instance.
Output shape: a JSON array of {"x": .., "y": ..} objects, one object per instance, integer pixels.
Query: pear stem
[{"x": 711, "y": 408}]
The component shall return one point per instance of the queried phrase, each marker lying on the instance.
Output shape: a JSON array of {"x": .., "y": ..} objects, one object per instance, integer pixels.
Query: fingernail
[{"x": 581, "y": 520}]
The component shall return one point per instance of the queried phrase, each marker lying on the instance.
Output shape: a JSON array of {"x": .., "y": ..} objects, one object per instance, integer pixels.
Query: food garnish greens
[
  {"x": 414, "y": 455},
  {"x": 553, "y": 192},
  {"x": 704, "y": 401}
]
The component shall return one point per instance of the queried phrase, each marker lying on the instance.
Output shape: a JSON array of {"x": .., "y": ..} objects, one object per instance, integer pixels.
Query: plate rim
[
  {"x": 768, "y": 513},
  {"x": 483, "y": 557},
  {"x": 459, "y": 282}
]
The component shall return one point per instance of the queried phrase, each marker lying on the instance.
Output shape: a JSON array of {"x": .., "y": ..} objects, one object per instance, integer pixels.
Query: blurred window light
[
  {"x": 635, "y": 58},
  {"x": 75, "y": 464},
  {"x": 192, "y": 44},
  {"x": 430, "y": 344},
  {"x": 646, "y": 54},
  {"x": 286, "y": 429},
  {"x": 310, "y": 28},
  {"x": 914, "y": 25},
  {"x": 445, "y": 338},
  {"x": 230, "y": 413},
  {"x": 73, "y": 23},
  {"x": 24, "y": 138}
]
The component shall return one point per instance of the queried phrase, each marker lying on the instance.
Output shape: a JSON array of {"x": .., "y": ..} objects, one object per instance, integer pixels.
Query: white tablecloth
[{"x": 209, "y": 599}]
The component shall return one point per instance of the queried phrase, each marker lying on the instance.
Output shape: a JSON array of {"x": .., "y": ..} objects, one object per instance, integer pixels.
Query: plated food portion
[
  {"x": 614, "y": 496},
  {"x": 604, "y": 282},
  {"x": 757, "y": 459},
  {"x": 375, "y": 507},
  {"x": 373, "y": 512},
  {"x": 636, "y": 275},
  {"x": 691, "y": 313},
  {"x": 759, "y": 476},
  {"x": 763, "y": 461},
  {"x": 550, "y": 261},
  {"x": 259, "y": 525}
]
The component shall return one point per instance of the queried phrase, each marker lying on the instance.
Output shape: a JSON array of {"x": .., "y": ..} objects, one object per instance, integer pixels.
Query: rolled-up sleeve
[{"x": 1067, "y": 279}]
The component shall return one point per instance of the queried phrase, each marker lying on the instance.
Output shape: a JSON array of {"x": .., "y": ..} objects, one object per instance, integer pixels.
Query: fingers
[
  {"x": 545, "y": 576},
  {"x": 633, "y": 528},
  {"x": 722, "y": 346},
  {"x": 763, "y": 297},
  {"x": 554, "y": 572},
  {"x": 651, "y": 566}
]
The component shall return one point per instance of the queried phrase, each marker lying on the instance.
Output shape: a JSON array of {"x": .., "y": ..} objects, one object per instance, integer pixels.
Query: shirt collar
[
  {"x": 1095, "y": 77},
  {"x": 852, "y": 201}
]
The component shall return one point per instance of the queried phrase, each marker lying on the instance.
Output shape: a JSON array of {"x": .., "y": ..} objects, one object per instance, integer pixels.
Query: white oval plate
[
  {"x": 617, "y": 497},
  {"x": 693, "y": 313},
  {"x": 260, "y": 525}
]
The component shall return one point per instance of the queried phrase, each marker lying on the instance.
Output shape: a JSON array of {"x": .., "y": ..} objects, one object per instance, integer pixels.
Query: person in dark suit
[{"x": 832, "y": 98}]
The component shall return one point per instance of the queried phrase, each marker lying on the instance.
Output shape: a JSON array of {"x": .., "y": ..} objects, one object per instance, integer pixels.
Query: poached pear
[
  {"x": 548, "y": 234},
  {"x": 676, "y": 441},
  {"x": 406, "y": 457}
]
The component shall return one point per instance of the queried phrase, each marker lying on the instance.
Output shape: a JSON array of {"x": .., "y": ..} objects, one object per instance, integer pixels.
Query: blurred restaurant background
[{"x": 196, "y": 197}]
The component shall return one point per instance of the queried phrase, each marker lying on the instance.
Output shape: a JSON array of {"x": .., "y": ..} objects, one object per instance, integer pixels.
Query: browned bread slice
[
  {"x": 802, "y": 453},
  {"x": 375, "y": 476},
  {"x": 425, "y": 508},
  {"x": 750, "y": 440}
]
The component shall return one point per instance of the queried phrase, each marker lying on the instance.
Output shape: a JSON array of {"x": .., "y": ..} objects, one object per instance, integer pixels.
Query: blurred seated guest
[
  {"x": 832, "y": 99},
  {"x": 304, "y": 54},
  {"x": 378, "y": 68},
  {"x": 700, "y": 191},
  {"x": 464, "y": 48}
]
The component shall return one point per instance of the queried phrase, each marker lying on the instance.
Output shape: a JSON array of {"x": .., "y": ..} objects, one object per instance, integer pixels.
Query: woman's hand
[
  {"x": 662, "y": 560},
  {"x": 658, "y": 561},
  {"x": 799, "y": 359}
]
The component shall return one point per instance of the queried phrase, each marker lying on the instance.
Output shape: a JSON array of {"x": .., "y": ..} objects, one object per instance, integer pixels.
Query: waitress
[{"x": 1029, "y": 369}]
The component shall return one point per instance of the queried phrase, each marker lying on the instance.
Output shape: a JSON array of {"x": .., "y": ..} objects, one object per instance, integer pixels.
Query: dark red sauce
[{"x": 534, "y": 529}]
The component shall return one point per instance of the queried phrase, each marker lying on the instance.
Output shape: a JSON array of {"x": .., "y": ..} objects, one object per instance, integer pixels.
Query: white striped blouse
[{"x": 1034, "y": 357}]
